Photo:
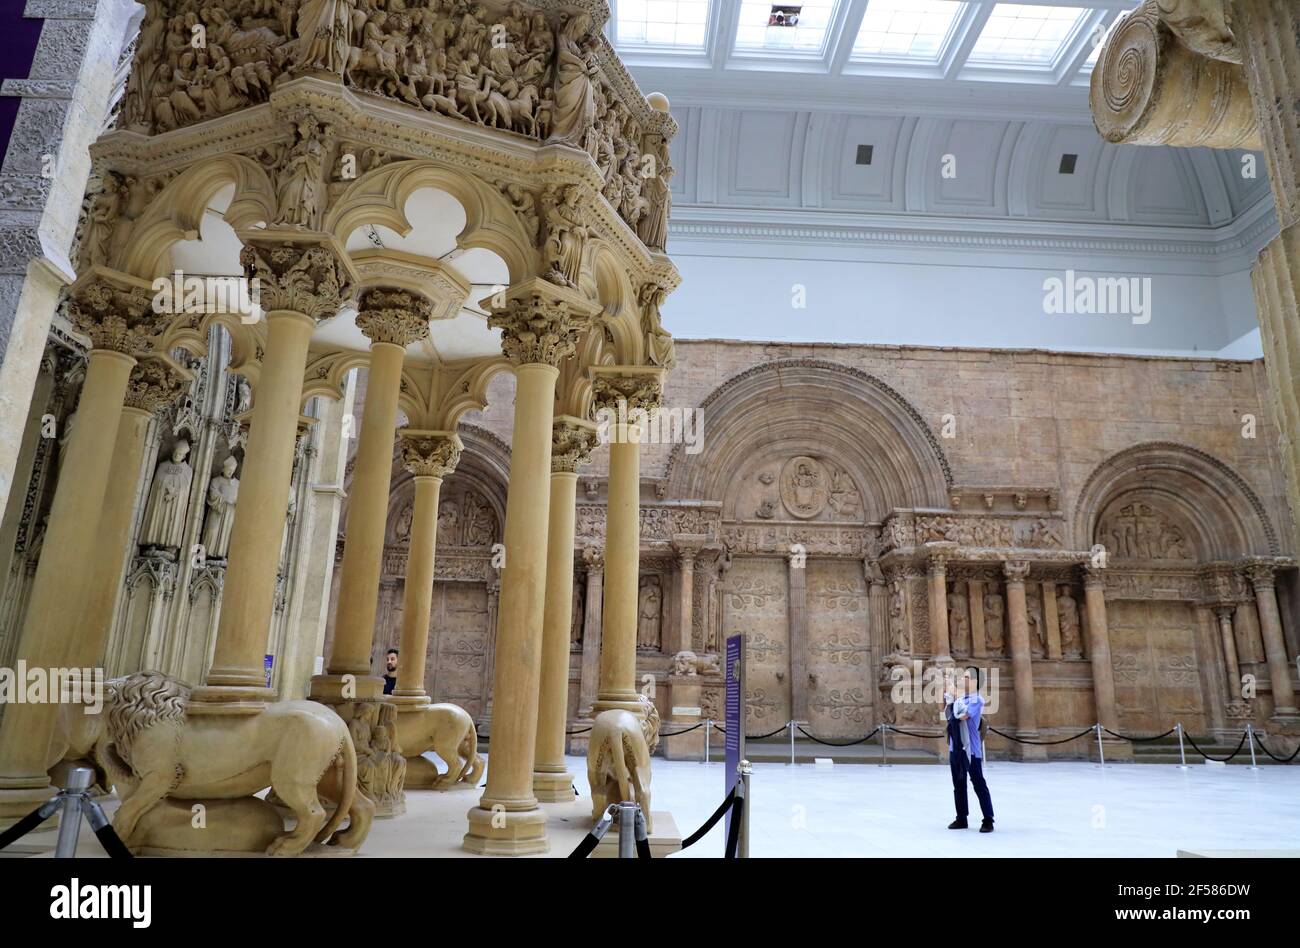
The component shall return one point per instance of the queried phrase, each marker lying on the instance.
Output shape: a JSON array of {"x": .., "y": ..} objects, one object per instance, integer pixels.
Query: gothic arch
[
  {"x": 1226, "y": 517},
  {"x": 808, "y": 405}
]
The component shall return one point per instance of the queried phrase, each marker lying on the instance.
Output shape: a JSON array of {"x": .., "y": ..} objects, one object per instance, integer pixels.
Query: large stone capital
[
  {"x": 621, "y": 389},
  {"x": 1094, "y": 577},
  {"x": 593, "y": 557},
  {"x": 303, "y": 277},
  {"x": 430, "y": 453},
  {"x": 116, "y": 311},
  {"x": 156, "y": 382},
  {"x": 540, "y": 323},
  {"x": 399, "y": 317},
  {"x": 572, "y": 441},
  {"x": 1015, "y": 571},
  {"x": 1262, "y": 575}
]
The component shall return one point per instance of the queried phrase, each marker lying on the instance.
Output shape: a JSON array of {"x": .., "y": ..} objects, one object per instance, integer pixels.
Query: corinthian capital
[
  {"x": 156, "y": 382},
  {"x": 572, "y": 440},
  {"x": 117, "y": 312},
  {"x": 621, "y": 389},
  {"x": 430, "y": 453},
  {"x": 399, "y": 317},
  {"x": 303, "y": 277},
  {"x": 1015, "y": 572},
  {"x": 541, "y": 323}
]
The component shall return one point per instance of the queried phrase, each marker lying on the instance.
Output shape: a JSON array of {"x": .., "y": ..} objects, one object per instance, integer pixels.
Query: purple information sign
[
  {"x": 735, "y": 715},
  {"x": 268, "y": 663}
]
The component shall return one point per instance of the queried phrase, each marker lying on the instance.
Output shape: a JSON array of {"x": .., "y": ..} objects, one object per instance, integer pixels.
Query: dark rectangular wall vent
[
  {"x": 864, "y": 154},
  {"x": 1068, "y": 162}
]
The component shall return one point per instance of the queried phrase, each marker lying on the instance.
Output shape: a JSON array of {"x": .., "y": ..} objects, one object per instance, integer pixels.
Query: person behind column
[
  {"x": 964, "y": 714},
  {"x": 390, "y": 671}
]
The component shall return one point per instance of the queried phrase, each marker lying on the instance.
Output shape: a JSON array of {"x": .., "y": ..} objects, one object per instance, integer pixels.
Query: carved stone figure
[
  {"x": 994, "y": 626},
  {"x": 805, "y": 487},
  {"x": 448, "y": 731},
  {"x": 1037, "y": 628},
  {"x": 566, "y": 235},
  {"x": 959, "y": 620},
  {"x": 223, "y": 492},
  {"x": 687, "y": 663},
  {"x": 1138, "y": 531},
  {"x": 164, "y": 515},
  {"x": 1068, "y": 611},
  {"x": 299, "y": 187},
  {"x": 649, "y": 607},
  {"x": 324, "y": 31},
  {"x": 653, "y": 226},
  {"x": 153, "y": 752},
  {"x": 576, "y": 75},
  {"x": 897, "y": 619},
  {"x": 618, "y": 758}
]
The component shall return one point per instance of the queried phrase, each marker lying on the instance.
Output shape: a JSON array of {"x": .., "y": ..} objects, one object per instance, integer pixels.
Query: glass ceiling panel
[
  {"x": 785, "y": 27},
  {"x": 1020, "y": 34},
  {"x": 906, "y": 29},
  {"x": 671, "y": 24}
]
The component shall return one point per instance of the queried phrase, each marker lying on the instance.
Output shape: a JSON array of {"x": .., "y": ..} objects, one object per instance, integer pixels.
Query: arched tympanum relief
[{"x": 797, "y": 486}]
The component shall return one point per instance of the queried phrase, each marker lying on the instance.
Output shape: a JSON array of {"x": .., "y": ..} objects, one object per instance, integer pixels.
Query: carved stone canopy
[
  {"x": 540, "y": 322},
  {"x": 155, "y": 382},
  {"x": 307, "y": 277},
  {"x": 572, "y": 441},
  {"x": 398, "y": 317},
  {"x": 430, "y": 453},
  {"x": 116, "y": 311}
]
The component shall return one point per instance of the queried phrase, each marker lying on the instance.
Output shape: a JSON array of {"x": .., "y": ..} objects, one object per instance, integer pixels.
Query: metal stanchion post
[
  {"x": 79, "y": 780},
  {"x": 884, "y": 745},
  {"x": 708, "y": 732},
  {"x": 627, "y": 830},
  {"x": 1182, "y": 753},
  {"x": 790, "y": 725},
  {"x": 1101, "y": 751},
  {"x": 746, "y": 771},
  {"x": 1250, "y": 739}
]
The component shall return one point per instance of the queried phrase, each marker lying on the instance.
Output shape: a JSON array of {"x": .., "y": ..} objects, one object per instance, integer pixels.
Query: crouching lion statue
[
  {"x": 448, "y": 731},
  {"x": 154, "y": 754},
  {"x": 618, "y": 758}
]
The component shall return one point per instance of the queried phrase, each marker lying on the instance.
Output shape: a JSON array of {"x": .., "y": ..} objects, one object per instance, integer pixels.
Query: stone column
[
  {"x": 594, "y": 558},
  {"x": 975, "y": 596},
  {"x": 687, "y": 547},
  {"x": 1022, "y": 669},
  {"x": 623, "y": 394},
  {"x": 1232, "y": 668},
  {"x": 938, "y": 579},
  {"x": 798, "y": 612},
  {"x": 1053, "y": 619},
  {"x": 571, "y": 444},
  {"x": 391, "y": 319},
  {"x": 1103, "y": 673},
  {"x": 301, "y": 285},
  {"x": 540, "y": 324},
  {"x": 1270, "y": 623},
  {"x": 115, "y": 311}
]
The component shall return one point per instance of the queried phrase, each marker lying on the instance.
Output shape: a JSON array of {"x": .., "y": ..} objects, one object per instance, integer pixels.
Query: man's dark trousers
[{"x": 961, "y": 765}]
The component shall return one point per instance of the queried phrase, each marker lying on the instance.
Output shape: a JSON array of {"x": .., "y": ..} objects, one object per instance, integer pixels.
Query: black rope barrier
[
  {"x": 1019, "y": 740},
  {"x": 643, "y": 849},
  {"x": 899, "y": 730},
  {"x": 581, "y": 730},
  {"x": 23, "y": 827},
  {"x": 1280, "y": 760},
  {"x": 733, "y": 837},
  {"x": 818, "y": 740},
  {"x": 1138, "y": 740},
  {"x": 763, "y": 737},
  {"x": 1223, "y": 760},
  {"x": 589, "y": 843},
  {"x": 712, "y": 821},
  {"x": 683, "y": 731}
]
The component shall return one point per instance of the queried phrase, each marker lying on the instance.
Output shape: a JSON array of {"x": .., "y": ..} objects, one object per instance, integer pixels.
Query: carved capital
[
  {"x": 538, "y": 326},
  {"x": 618, "y": 390},
  {"x": 304, "y": 278},
  {"x": 593, "y": 557},
  {"x": 938, "y": 564},
  {"x": 155, "y": 382},
  {"x": 399, "y": 317},
  {"x": 117, "y": 315},
  {"x": 1094, "y": 577},
  {"x": 1261, "y": 575},
  {"x": 430, "y": 453},
  {"x": 572, "y": 441},
  {"x": 1015, "y": 571}
]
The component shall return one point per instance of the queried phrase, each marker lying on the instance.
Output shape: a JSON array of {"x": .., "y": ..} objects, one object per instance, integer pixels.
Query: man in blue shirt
[{"x": 965, "y": 749}]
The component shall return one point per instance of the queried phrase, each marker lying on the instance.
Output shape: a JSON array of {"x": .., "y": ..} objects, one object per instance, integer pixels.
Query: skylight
[
  {"x": 672, "y": 24},
  {"x": 789, "y": 27},
  {"x": 1019, "y": 34},
  {"x": 906, "y": 29}
]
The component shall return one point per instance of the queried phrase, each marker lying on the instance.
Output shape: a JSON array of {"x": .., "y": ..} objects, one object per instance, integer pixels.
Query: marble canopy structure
[{"x": 438, "y": 192}]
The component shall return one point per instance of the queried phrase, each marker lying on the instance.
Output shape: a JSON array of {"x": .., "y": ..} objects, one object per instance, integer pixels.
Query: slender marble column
[
  {"x": 1232, "y": 668},
  {"x": 1022, "y": 668},
  {"x": 115, "y": 312},
  {"x": 938, "y": 578},
  {"x": 1270, "y": 622},
  {"x": 975, "y": 597},
  {"x": 687, "y": 547},
  {"x": 571, "y": 444},
  {"x": 594, "y": 559},
  {"x": 392, "y": 319},
  {"x": 540, "y": 325},
  {"x": 1103, "y": 673}
]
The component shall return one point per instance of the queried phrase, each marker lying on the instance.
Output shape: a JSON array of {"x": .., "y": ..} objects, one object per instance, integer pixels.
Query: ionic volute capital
[
  {"x": 395, "y": 316},
  {"x": 572, "y": 441},
  {"x": 155, "y": 382},
  {"x": 302, "y": 277},
  {"x": 430, "y": 453}
]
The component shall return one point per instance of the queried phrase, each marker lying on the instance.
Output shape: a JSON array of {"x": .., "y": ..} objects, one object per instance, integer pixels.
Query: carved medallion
[{"x": 805, "y": 487}]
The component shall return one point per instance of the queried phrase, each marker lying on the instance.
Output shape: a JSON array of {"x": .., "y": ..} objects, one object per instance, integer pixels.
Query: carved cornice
[
  {"x": 156, "y": 382},
  {"x": 305, "y": 278},
  {"x": 572, "y": 441},
  {"x": 430, "y": 453},
  {"x": 398, "y": 317}
]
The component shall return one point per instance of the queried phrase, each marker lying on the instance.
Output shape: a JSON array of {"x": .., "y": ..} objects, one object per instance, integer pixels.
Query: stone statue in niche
[
  {"x": 164, "y": 515},
  {"x": 897, "y": 621},
  {"x": 402, "y": 530},
  {"x": 579, "y": 612},
  {"x": 959, "y": 620},
  {"x": 244, "y": 397},
  {"x": 649, "y": 609},
  {"x": 565, "y": 235},
  {"x": 994, "y": 627},
  {"x": 299, "y": 185},
  {"x": 576, "y": 76},
  {"x": 1037, "y": 628},
  {"x": 653, "y": 226},
  {"x": 1068, "y": 610},
  {"x": 223, "y": 492},
  {"x": 804, "y": 487}
]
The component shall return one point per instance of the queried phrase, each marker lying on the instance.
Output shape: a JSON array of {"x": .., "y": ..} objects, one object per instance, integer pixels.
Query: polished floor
[{"x": 1058, "y": 809}]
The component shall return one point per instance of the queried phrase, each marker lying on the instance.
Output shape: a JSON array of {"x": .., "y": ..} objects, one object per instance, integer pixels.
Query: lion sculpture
[
  {"x": 687, "y": 664},
  {"x": 618, "y": 758},
  {"x": 448, "y": 731},
  {"x": 154, "y": 753}
]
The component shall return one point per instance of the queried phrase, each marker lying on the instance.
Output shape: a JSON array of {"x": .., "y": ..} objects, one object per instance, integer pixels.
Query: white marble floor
[{"x": 1042, "y": 809}]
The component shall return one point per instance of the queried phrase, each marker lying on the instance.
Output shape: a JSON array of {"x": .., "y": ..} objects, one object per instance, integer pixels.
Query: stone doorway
[
  {"x": 1157, "y": 668},
  {"x": 838, "y": 680},
  {"x": 457, "y": 666}
]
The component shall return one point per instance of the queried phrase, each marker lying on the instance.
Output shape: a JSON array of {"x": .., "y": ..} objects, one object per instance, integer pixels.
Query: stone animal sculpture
[
  {"x": 688, "y": 663},
  {"x": 618, "y": 758},
  {"x": 154, "y": 753},
  {"x": 448, "y": 731}
]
